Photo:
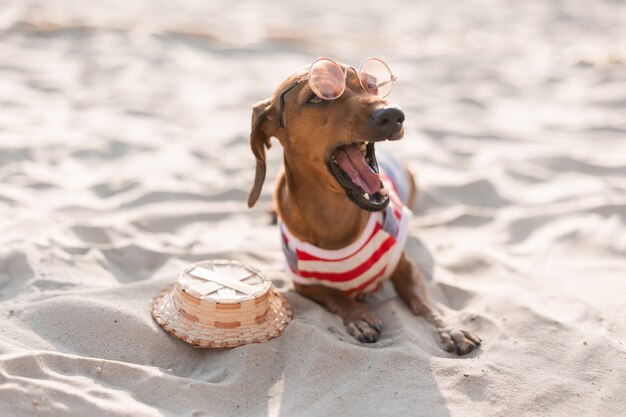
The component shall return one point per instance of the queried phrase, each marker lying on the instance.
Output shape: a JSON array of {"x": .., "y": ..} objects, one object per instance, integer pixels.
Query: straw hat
[{"x": 220, "y": 303}]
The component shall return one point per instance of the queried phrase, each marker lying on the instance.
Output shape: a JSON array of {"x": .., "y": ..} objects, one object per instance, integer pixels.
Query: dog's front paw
[
  {"x": 458, "y": 340},
  {"x": 364, "y": 327}
]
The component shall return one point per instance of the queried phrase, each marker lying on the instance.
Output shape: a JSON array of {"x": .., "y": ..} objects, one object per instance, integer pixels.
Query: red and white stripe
[{"x": 361, "y": 266}]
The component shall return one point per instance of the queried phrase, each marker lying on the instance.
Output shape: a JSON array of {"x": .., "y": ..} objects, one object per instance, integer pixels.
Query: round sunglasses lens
[
  {"x": 326, "y": 79},
  {"x": 376, "y": 77}
]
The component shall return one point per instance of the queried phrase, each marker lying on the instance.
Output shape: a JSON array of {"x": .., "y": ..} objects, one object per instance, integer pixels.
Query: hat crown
[
  {"x": 223, "y": 281},
  {"x": 222, "y": 294}
]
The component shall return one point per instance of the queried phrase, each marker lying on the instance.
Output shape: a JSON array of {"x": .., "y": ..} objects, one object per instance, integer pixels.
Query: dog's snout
[{"x": 387, "y": 120}]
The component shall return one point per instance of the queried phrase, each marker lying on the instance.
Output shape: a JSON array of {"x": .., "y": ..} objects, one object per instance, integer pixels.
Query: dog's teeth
[
  {"x": 362, "y": 148},
  {"x": 366, "y": 196},
  {"x": 383, "y": 191}
]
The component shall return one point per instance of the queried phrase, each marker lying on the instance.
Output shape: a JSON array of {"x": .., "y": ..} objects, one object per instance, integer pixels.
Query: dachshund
[{"x": 342, "y": 211}]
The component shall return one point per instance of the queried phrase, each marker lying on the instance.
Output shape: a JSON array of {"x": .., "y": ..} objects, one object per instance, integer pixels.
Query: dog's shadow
[
  {"x": 420, "y": 254},
  {"x": 452, "y": 297}
]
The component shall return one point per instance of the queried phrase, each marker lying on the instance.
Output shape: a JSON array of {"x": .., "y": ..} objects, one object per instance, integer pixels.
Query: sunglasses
[{"x": 328, "y": 80}]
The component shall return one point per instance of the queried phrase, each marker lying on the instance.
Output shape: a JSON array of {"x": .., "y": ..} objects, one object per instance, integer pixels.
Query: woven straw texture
[{"x": 219, "y": 304}]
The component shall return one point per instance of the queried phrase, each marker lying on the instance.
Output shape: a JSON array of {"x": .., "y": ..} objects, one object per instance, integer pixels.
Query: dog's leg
[
  {"x": 360, "y": 323},
  {"x": 409, "y": 284}
]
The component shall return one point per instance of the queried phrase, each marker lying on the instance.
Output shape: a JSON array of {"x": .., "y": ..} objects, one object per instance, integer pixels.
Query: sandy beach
[{"x": 124, "y": 157}]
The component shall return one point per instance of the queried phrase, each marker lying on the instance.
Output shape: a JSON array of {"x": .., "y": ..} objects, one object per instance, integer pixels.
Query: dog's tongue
[{"x": 353, "y": 163}]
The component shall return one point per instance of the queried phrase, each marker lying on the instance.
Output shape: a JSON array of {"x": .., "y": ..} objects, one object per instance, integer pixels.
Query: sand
[{"x": 124, "y": 157}]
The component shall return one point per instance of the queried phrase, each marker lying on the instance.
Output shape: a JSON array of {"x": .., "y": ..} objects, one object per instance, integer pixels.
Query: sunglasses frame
[
  {"x": 307, "y": 77},
  {"x": 358, "y": 75}
]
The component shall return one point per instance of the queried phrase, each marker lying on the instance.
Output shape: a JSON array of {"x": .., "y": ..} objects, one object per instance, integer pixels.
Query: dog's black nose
[{"x": 388, "y": 120}]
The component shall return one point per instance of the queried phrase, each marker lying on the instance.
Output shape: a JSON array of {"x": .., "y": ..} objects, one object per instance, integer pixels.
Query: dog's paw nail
[
  {"x": 451, "y": 349},
  {"x": 470, "y": 347},
  {"x": 365, "y": 329},
  {"x": 459, "y": 341}
]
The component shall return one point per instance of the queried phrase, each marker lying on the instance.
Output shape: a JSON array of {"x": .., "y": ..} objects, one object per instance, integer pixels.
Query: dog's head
[{"x": 332, "y": 141}]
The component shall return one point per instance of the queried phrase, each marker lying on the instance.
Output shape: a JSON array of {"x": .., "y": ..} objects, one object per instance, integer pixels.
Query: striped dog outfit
[{"x": 363, "y": 265}]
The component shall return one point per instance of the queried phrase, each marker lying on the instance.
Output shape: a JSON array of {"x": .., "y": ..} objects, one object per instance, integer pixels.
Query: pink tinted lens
[
  {"x": 326, "y": 79},
  {"x": 375, "y": 77}
]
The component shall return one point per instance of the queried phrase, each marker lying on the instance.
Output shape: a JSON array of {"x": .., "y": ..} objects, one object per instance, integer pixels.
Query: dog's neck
[{"x": 316, "y": 214}]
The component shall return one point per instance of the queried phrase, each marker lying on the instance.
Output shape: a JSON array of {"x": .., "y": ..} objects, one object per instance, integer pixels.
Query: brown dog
[{"x": 319, "y": 205}]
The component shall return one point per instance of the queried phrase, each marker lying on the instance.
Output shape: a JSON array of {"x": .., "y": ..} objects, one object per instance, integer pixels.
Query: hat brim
[{"x": 168, "y": 316}]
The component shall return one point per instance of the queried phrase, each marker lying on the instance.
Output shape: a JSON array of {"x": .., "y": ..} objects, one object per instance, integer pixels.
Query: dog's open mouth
[{"x": 355, "y": 168}]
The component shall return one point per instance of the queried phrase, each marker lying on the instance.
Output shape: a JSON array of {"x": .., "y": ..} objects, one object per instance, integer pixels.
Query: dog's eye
[{"x": 314, "y": 99}]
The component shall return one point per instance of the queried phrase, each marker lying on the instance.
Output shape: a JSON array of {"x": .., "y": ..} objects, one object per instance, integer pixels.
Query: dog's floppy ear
[{"x": 264, "y": 126}]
